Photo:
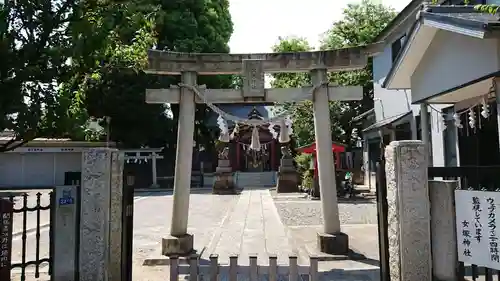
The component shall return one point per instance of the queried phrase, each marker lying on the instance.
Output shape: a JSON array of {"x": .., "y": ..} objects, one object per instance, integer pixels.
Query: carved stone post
[
  {"x": 224, "y": 182},
  {"x": 288, "y": 178},
  {"x": 408, "y": 213}
]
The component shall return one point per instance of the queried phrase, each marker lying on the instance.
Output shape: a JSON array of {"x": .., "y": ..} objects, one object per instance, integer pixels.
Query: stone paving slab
[
  {"x": 152, "y": 217},
  {"x": 253, "y": 227},
  {"x": 363, "y": 240}
]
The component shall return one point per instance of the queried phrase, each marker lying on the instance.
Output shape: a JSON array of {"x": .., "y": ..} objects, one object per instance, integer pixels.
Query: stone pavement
[
  {"x": 254, "y": 223},
  {"x": 251, "y": 227},
  {"x": 249, "y": 223}
]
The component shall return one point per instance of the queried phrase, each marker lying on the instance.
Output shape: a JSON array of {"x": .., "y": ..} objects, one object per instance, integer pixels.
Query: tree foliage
[
  {"x": 34, "y": 50},
  {"x": 67, "y": 63},
  {"x": 360, "y": 25}
]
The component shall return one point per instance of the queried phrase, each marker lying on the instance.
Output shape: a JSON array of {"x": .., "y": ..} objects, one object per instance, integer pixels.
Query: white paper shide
[{"x": 477, "y": 234}]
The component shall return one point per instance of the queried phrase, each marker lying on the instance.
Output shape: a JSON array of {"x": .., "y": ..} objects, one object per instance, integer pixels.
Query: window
[{"x": 396, "y": 46}]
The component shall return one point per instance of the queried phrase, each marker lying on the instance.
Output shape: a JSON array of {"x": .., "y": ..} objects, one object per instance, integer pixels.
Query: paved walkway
[{"x": 253, "y": 226}]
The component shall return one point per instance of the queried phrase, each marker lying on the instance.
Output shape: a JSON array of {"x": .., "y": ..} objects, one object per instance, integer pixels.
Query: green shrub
[{"x": 303, "y": 168}]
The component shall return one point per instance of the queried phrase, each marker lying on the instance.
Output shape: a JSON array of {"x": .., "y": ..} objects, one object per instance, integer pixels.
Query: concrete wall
[
  {"x": 443, "y": 68},
  {"x": 35, "y": 169}
]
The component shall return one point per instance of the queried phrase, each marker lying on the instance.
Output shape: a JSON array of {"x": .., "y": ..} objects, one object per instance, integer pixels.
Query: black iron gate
[
  {"x": 128, "y": 231},
  {"x": 23, "y": 215},
  {"x": 383, "y": 237}
]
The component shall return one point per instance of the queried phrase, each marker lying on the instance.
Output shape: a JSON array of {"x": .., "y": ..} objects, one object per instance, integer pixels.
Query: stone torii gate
[{"x": 253, "y": 67}]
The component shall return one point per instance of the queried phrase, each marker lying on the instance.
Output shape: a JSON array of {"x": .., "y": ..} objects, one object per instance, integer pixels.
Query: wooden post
[
  {"x": 238, "y": 156},
  {"x": 6, "y": 208},
  {"x": 273, "y": 155},
  {"x": 214, "y": 267},
  {"x": 174, "y": 268},
  {"x": 293, "y": 270}
]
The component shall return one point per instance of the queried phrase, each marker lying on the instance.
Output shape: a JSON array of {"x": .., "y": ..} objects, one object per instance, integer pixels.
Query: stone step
[{"x": 255, "y": 179}]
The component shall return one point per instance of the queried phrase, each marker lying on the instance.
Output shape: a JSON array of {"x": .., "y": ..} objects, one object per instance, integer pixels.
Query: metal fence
[
  {"x": 25, "y": 215},
  {"x": 483, "y": 178}
]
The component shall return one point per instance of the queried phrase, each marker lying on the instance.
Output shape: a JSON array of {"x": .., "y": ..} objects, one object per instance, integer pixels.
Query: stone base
[
  {"x": 177, "y": 246},
  {"x": 288, "y": 182},
  {"x": 223, "y": 184},
  {"x": 335, "y": 244}
]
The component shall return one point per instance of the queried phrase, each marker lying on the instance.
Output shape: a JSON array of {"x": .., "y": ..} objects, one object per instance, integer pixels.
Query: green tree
[
  {"x": 301, "y": 112},
  {"x": 360, "y": 25},
  {"x": 110, "y": 81},
  {"x": 34, "y": 50}
]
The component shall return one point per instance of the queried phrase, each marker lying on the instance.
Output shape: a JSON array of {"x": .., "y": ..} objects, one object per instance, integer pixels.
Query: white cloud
[{"x": 259, "y": 23}]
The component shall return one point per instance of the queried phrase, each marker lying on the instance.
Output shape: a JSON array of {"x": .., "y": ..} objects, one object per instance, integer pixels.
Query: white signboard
[{"x": 477, "y": 233}]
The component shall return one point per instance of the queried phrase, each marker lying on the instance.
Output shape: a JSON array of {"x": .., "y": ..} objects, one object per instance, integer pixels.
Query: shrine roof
[
  {"x": 166, "y": 62},
  {"x": 311, "y": 148},
  {"x": 241, "y": 111}
]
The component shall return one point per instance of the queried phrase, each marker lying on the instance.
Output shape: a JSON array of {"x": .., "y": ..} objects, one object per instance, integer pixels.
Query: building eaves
[
  {"x": 460, "y": 19},
  {"x": 387, "y": 121},
  {"x": 364, "y": 115},
  {"x": 400, "y": 18},
  {"x": 407, "y": 14}
]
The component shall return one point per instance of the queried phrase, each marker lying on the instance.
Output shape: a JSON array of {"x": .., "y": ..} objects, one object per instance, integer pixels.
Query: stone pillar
[
  {"x": 332, "y": 240},
  {"x": 443, "y": 230},
  {"x": 408, "y": 211},
  {"x": 65, "y": 233},
  {"x": 154, "y": 170},
  {"x": 101, "y": 215},
  {"x": 180, "y": 242},
  {"x": 288, "y": 178},
  {"x": 224, "y": 180}
]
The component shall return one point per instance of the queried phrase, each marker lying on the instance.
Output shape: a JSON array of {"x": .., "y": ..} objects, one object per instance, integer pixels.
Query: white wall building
[{"x": 43, "y": 163}]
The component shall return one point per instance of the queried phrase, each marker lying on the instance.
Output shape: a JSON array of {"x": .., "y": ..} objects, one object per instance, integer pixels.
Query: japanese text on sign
[
  {"x": 476, "y": 213},
  {"x": 5, "y": 238}
]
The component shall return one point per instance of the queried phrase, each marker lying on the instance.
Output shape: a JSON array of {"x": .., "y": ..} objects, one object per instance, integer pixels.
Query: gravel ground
[{"x": 296, "y": 213}]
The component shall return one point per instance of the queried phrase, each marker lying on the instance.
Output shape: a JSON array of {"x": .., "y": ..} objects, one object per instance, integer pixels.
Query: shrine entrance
[
  {"x": 252, "y": 68},
  {"x": 256, "y": 161},
  {"x": 247, "y": 159}
]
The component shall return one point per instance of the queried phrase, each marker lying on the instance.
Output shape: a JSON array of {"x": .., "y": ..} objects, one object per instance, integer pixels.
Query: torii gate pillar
[{"x": 332, "y": 240}]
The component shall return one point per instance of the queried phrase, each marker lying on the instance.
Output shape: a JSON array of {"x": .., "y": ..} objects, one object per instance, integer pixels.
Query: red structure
[{"x": 337, "y": 149}]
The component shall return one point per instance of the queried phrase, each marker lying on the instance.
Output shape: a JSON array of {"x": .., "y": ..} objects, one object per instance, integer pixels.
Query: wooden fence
[{"x": 214, "y": 270}]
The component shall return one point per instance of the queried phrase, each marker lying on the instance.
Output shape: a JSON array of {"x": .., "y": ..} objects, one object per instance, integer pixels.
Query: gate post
[
  {"x": 100, "y": 249},
  {"x": 408, "y": 211},
  {"x": 65, "y": 229},
  {"x": 443, "y": 230}
]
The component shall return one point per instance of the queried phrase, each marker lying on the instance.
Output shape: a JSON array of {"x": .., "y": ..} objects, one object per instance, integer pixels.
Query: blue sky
[{"x": 259, "y": 23}]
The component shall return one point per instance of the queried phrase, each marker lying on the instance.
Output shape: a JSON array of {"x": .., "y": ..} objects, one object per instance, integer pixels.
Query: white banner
[{"x": 477, "y": 233}]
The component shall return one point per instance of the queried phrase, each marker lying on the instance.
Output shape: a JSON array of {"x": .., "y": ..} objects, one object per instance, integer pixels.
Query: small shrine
[
  {"x": 245, "y": 159},
  {"x": 255, "y": 146}
]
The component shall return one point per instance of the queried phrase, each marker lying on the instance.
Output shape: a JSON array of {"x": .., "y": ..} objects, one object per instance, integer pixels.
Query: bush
[{"x": 303, "y": 168}]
